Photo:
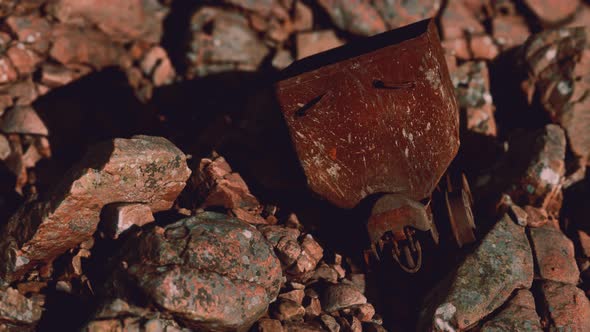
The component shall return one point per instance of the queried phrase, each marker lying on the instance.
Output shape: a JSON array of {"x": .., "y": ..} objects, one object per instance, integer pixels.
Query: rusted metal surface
[{"x": 377, "y": 116}]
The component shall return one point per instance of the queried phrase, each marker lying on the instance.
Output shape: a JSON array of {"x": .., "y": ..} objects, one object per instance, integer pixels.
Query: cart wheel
[{"x": 459, "y": 202}]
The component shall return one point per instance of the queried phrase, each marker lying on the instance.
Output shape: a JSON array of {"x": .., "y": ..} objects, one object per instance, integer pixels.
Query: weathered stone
[
  {"x": 138, "y": 19},
  {"x": 484, "y": 281},
  {"x": 119, "y": 217},
  {"x": 287, "y": 310},
  {"x": 222, "y": 40},
  {"x": 288, "y": 250},
  {"x": 364, "y": 312},
  {"x": 32, "y": 30},
  {"x": 313, "y": 307},
  {"x": 558, "y": 63},
  {"x": 519, "y": 314},
  {"x": 400, "y": 13},
  {"x": 269, "y": 325},
  {"x": 567, "y": 307},
  {"x": 536, "y": 217},
  {"x": 457, "y": 21},
  {"x": 302, "y": 327},
  {"x": 25, "y": 61},
  {"x": 472, "y": 89},
  {"x": 23, "y": 120},
  {"x": 483, "y": 47},
  {"x": 221, "y": 187},
  {"x": 536, "y": 161},
  {"x": 358, "y": 17},
  {"x": 211, "y": 271},
  {"x": 313, "y": 42},
  {"x": 510, "y": 30},
  {"x": 330, "y": 323},
  {"x": 7, "y": 71},
  {"x": 55, "y": 75},
  {"x": 85, "y": 46},
  {"x": 295, "y": 295},
  {"x": 143, "y": 169},
  {"x": 17, "y": 309},
  {"x": 158, "y": 66},
  {"x": 553, "y": 11},
  {"x": 554, "y": 255},
  {"x": 341, "y": 296}
]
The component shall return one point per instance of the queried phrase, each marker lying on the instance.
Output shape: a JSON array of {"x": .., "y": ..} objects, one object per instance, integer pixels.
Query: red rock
[
  {"x": 330, "y": 323},
  {"x": 536, "y": 217},
  {"x": 567, "y": 307},
  {"x": 137, "y": 19},
  {"x": 458, "y": 21},
  {"x": 364, "y": 312},
  {"x": 288, "y": 250},
  {"x": 157, "y": 65},
  {"x": 24, "y": 60},
  {"x": 17, "y": 310},
  {"x": 210, "y": 271},
  {"x": 74, "y": 45},
  {"x": 509, "y": 31},
  {"x": 295, "y": 295},
  {"x": 303, "y": 17},
  {"x": 33, "y": 30},
  {"x": 400, "y": 13},
  {"x": 553, "y": 11},
  {"x": 269, "y": 325},
  {"x": 23, "y": 120},
  {"x": 23, "y": 92},
  {"x": 215, "y": 181},
  {"x": 119, "y": 217},
  {"x": 310, "y": 43},
  {"x": 554, "y": 254},
  {"x": 5, "y": 149},
  {"x": 341, "y": 296},
  {"x": 357, "y": 17},
  {"x": 483, "y": 47},
  {"x": 141, "y": 169},
  {"x": 302, "y": 327},
  {"x": 287, "y": 310},
  {"x": 55, "y": 76},
  {"x": 7, "y": 71},
  {"x": 458, "y": 48},
  {"x": 222, "y": 41},
  {"x": 519, "y": 314}
]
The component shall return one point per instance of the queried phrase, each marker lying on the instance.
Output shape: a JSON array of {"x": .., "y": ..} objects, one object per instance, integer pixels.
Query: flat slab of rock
[
  {"x": 211, "y": 271},
  {"x": 484, "y": 281},
  {"x": 17, "y": 310},
  {"x": 518, "y": 315},
  {"x": 554, "y": 255},
  {"x": 567, "y": 307},
  {"x": 149, "y": 170}
]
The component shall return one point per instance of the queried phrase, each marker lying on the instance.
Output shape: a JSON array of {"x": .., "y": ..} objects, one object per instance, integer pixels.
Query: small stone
[
  {"x": 287, "y": 310},
  {"x": 313, "y": 307},
  {"x": 484, "y": 281},
  {"x": 251, "y": 217},
  {"x": 509, "y": 31},
  {"x": 567, "y": 307},
  {"x": 269, "y": 325},
  {"x": 519, "y": 314},
  {"x": 483, "y": 47},
  {"x": 519, "y": 215},
  {"x": 359, "y": 280},
  {"x": 313, "y": 42},
  {"x": 23, "y": 120},
  {"x": 536, "y": 217},
  {"x": 554, "y": 254},
  {"x": 457, "y": 21},
  {"x": 303, "y": 327},
  {"x": 7, "y": 71},
  {"x": 341, "y": 296},
  {"x": 357, "y": 17},
  {"x": 158, "y": 66},
  {"x": 294, "y": 295},
  {"x": 5, "y": 149},
  {"x": 322, "y": 272},
  {"x": 119, "y": 217},
  {"x": 330, "y": 323},
  {"x": 553, "y": 11},
  {"x": 17, "y": 309},
  {"x": 282, "y": 59},
  {"x": 364, "y": 312},
  {"x": 25, "y": 61},
  {"x": 55, "y": 76},
  {"x": 33, "y": 30}
]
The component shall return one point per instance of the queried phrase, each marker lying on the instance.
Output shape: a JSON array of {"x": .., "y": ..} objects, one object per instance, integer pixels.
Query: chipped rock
[
  {"x": 397, "y": 14},
  {"x": 484, "y": 281},
  {"x": 287, "y": 310},
  {"x": 17, "y": 310},
  {"x": 364, "y": 312},
  {"x": 23, "y": 120},
  {"x": 85, "y": 46},
  {"x": 509, "y": 30},
  {"x": 330, "y": 323},
  {"x": 313, "y": 42},
  {"x": 138, "y": 19},
  {"x": 119, "y": 217},
  {"x": 552, "y": 11},
  {"x": 55, "y": 76},
  {"x": 269, "y": 325},
  {"x": 554, "y": 255},
  {"x": 536, "y": 217},
  {"x": 158, "y": 66},
  {"x": 294, "y": 295},
  {"x": 288, "y": 250},
  {"x": 5, "y": 149},
  {"x": 519, "y": 314},
  {"x": 357, "y": 17},
  {"x": 457, "y": 21},
  {"x": 341, "y": 296},
  {"x": 25, "y": 61},
  {"x": 221, "y": 41},
  {"x": 32, "y": 30},
  {"x": 141, "y": 169},
  {"x": 210, "y": 271},
  {"x": 7, "y": 71},
  {"x": 567, "y": 307}
]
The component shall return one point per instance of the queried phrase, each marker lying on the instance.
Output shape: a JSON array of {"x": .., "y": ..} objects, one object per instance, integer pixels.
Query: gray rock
[{"x": 518, "y": 315}]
